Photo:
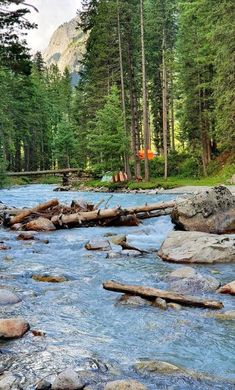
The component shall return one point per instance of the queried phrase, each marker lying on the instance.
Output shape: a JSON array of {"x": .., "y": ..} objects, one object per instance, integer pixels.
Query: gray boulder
[
  {"x": 7, "y": 297},
  {"x": 212, "y": 211},
  {"x": 196, "y": 247},
  {"x": 69, "y": 380},
  {"x": 98, "y": 244},
  {"x": 187, "y": 280}
]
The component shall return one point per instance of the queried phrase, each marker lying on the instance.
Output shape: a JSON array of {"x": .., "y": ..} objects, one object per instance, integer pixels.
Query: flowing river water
[{"x": 84, "y": 327}]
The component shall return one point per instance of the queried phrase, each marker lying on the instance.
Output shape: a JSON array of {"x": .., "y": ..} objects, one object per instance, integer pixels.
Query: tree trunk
[
  {"x": 126, "y": 154},
  {"x": 165, "y": 105},
  {"x": 145, "y": 102},
  {"x": 172, "y": 115}
]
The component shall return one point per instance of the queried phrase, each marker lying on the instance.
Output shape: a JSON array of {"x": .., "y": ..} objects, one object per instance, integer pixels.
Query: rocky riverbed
[{"x": 86, "y": 333}]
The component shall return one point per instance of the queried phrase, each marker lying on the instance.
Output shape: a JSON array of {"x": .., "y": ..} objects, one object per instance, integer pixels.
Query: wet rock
[
  {"x": 117, "y": 239},
  {"x": 131, "y": 253},
  {"x": 16, "y": 226},
  {"x": 228, "y": 288},
  {"x": 183, "y": 272},
  {"x": 212, "y": 211},
  {"x": 125, "y": 385},
  {"x": 225, "y": 316},
  {"x": 158, "y": 366},
  {"x": 160, "y": 303},
  {"x": 114, "y": 255},
  {"x": 197, "y": 247},
  {"x": 98, "y": 245},
  {"x": 4, "y": 247},
  {"x": 49, "y": 278},
  {"x": 40, "y": 225},
  {"x": 133, "y": 300},
  {"x": 68, "y": 380},
  {"x": 43, "y": 385},
  {"x": 174, "y": 306},
  {"x": 13, "y": 328},
  {"x": 25, "y": 236},
  {"x": 38, "y": 333},
  {"x": 7, "y": 381},
  {"x": 193, "y": 282},
  {"x": 7, "y": 297}
]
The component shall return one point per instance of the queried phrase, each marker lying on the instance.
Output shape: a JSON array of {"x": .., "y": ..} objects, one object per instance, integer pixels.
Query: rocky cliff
[{"x": 66, "y": 48}]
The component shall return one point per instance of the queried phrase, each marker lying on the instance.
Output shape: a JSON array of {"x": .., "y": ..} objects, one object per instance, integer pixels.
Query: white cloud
[{"x": 52, "y": 13}]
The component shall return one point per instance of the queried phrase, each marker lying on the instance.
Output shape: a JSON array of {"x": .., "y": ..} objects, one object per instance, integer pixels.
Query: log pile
[{"x": 54, "y": 215}]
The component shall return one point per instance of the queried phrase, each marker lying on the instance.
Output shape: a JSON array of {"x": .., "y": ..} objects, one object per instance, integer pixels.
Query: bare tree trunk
[
  {"x": 126, "y": 155},
  {"x": 172, "y": 115},
  {"x": 134, "y": 113},
  {"x": 164, "y": 101},
  {"x": 145, "y": 103}
]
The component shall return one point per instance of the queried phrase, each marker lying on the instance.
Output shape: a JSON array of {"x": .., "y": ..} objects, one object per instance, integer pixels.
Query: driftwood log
[
  {"x": 26, "y": 213},
  {"x": 98, "y": 215},
  {"x": 151, "y": 293}
]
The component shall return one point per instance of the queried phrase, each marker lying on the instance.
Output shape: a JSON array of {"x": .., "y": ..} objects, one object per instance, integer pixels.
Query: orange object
[{"x": 141, "y": 154}]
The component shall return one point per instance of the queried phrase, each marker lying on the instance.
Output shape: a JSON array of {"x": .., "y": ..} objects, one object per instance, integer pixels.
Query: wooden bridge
[{"x": 47, "y": 172}]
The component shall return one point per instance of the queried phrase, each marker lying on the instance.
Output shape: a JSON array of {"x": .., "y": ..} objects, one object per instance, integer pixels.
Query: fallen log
[
  {"x": 26, "y": 213},
  {"x": 152, "y": 293},
  {"x": 95, "y": 215}
]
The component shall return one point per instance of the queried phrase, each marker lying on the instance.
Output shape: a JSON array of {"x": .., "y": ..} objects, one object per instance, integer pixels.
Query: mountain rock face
[{"x": 66, "y": 48}]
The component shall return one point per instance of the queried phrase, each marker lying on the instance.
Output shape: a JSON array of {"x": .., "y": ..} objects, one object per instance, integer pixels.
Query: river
[{"x": 84, "y": 327}]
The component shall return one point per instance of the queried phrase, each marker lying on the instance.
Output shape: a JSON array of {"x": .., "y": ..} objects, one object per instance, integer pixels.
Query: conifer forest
[{"x": 157, "y": 75}]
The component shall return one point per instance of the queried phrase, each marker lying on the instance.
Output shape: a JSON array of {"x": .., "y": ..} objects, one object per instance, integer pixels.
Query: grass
[{"x": 23, "y": 180}]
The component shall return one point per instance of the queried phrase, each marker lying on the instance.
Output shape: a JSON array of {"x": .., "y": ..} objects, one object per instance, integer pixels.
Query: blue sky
[{"x": 51, "y": 14}]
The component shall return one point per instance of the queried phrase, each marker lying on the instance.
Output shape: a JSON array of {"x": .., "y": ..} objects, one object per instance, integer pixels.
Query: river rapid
[{"x": 85, "y": 328}]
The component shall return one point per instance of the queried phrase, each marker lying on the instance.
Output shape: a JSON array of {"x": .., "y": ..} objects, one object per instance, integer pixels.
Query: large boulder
[
  {"x": 125, "y": 385},
  {"x": 8, "y": 381},
  {"x": 212, "y": 211},
  {"x": 98, "y": 244},
  {"x": 196, "y": 247},
  {"x": 13, "y": 328},
  {"x": 40, "y": 225}
]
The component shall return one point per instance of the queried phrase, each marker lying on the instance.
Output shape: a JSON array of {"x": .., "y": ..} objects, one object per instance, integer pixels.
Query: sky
[{"x": 52, "y": 13}]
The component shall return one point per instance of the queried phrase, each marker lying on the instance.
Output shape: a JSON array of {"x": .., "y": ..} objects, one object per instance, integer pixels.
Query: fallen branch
[
  {"x": 151, "y": 293},
  {"x": 25, "y": 213}
]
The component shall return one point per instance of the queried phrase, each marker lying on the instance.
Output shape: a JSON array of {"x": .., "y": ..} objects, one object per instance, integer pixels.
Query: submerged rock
[
  {"x": 13, "y": 328},
  {"x": 225, "y": 316},
  {"x": 7, "y": 297},
  {"x": 212, "y": 211},
  {"x": 228, "y": 288},
  {"x": 4, "y": 247},
  {"x": 186, "y": 279},
  {"x": 68, "y": 380},
  {"x": 49, "y": 278},
  {"x": 133, "y": 300},
  {"x": 7, "y": 381},
  {"x": 197, "y": 247},
  {"x": 158, "y": 366},
  {"x": 125, "y": 385},
  {"x": 98, "y": 245},
  {"x": 40, "y": 225},
  {"x": 160, "y": 303},
  {"x": 117, "y": 239},
  {"x": 26, "y": 236}
]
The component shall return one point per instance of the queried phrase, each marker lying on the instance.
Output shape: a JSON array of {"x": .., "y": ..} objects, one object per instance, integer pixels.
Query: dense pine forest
[{"x": 158, "y": 75}]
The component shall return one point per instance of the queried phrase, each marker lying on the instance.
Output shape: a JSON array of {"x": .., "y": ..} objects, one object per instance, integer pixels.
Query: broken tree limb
[
  {"x": 152, "y": 293},
  {"x": 95, "y": 215},
  {"x": 25, "y": 213}
]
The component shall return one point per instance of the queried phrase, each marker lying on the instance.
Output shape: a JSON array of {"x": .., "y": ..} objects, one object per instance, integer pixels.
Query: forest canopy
[{"x": 157, "y": 75}]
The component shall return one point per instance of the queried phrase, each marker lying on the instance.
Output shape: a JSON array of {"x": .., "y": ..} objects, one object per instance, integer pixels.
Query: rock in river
[
  {"x": 197, "y": 247},
  {"x": 7, "y": 381},
  {"x": 40, "y": 225},
  {"x": 98, "y": 245},
  {"x": 158, "y": 366},
  {"x": 49, "y": 278},
  {"x": 186, "y": 279},
  {"x": 125, "y": 385},
  {"x": 228, "y": 288},
  {"x": 68, "y": 380},
  {"x": 13, "y": 328},
  {"x": 212, "y": 211},
  {"x": 7, "y": 297}
]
